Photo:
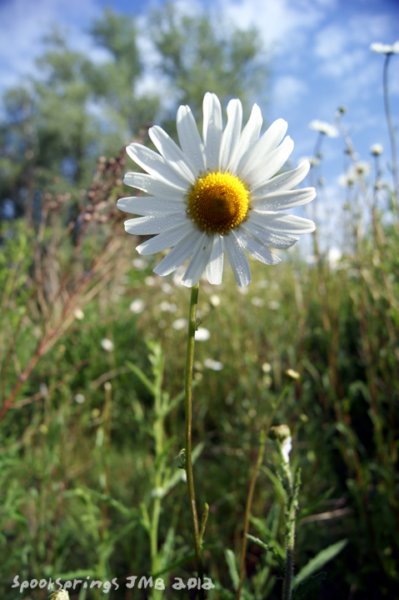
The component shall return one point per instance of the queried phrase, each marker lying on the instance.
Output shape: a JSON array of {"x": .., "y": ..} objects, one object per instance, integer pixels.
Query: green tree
[
  {"x": 57, "y": 123},
  {"x": 205, "y": 52}
]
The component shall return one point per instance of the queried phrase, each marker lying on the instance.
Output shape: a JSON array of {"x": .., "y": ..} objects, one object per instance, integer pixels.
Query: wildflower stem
[
  {"x": 292, "y": 491},
  {"x": 248, "y": 509},
  {"x": 188, "y": 402},
  {"x": 391, "y": 131}
]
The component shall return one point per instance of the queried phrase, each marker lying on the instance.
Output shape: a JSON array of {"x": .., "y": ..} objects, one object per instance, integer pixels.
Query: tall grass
[{"x": 91, "y": 481}]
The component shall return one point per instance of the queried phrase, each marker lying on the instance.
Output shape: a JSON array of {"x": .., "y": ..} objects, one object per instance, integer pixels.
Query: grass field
[{"x": 91, "y": 366}]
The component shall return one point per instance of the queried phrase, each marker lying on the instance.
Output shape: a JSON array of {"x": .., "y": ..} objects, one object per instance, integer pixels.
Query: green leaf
[
  {"x": 316, "y": 563},
  {"x": 232, "y": 566},
  {"x": 257, "y": 541},
  {"x": 142, "y": 377}
]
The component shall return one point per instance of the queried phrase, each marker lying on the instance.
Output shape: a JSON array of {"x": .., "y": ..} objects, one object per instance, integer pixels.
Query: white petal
[
  {"x": 189, "y": 138},
  {"x": 249, "y": 136},
  {"x": 285, "y": 200},
  {"x": 237, "y": 260},
  {"x": 199, "y": 261},
  {"x": 167, "y": 239},
  {"x": 180, "y": 253},
  {"x": 290, "y": 224},
  {"x": 148, "y": 205},
  {"x": 171, "y": 152},
  {"x": 268, "y": 142},
  {"x": 155, "y": 165},
  {"x": 231, "y": 133},
  {"x": 152, "y": 225},
  {"x": 266, "y": 235},
  {"x": 214, "y": 268},
  {"x": 258, "y": 250},
  {"x": 212, "y": 129},
  {"x": 267, "y": 166},
  {"x": 153, "y": 186},
  {"x": 284, "y": 181}
]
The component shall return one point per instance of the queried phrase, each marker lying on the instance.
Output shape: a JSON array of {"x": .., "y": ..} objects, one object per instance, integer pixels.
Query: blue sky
[{"x": 318, "y": 50}]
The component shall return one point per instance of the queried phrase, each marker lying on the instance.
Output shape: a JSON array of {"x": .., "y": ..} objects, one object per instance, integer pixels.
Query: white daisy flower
[
  {"x": 80, "y": 398},
  {"x": 376, "y": 149},
  {"x": 107, "y": 345},
  {"x": 323, "y": 127},
  {"x": 214, "y": 300},
  {"x": 286, "y": 448},
  {"x": 78, "y": 314},
  {"x": 216, "y": 195},
  {"x": 179, "y": 324},
  {"x": 59, "y": 595},
  {"x": 385, "y": 48},
  {"x": 137, "y": 306},
  {"x": 202, "y": 334},
  {"x": 214, "y": 365}
]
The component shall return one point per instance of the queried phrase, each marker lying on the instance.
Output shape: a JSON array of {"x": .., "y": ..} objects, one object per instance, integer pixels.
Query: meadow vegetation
[{"x": 92, "y": 350}]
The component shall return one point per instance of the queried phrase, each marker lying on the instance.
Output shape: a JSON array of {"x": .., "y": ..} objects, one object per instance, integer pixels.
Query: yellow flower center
[{"x": 218, "y": 202}]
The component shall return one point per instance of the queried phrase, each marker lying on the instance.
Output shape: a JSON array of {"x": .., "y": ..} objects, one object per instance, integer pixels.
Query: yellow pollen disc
[{"x": 218, "y": 202}]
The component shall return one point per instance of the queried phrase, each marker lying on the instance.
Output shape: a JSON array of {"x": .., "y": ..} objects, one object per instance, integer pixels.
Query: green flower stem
[
  {"x": 188, "y": 405},
  {"x": 248, "y": 509},
  {"x": 158, "y": 480},
  {"x": 292, "y": 491},
  {"x": 391, "y": 131}
]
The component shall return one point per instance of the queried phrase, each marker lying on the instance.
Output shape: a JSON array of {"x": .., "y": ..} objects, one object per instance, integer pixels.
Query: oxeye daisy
[{"x": 216, "y": 195}]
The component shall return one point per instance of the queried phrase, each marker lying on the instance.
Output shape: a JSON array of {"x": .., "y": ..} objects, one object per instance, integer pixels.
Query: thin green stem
[
  {"x": 291, "y": 511},
  {"x": 188, "y": 404},
  {"x": 248, "y": 510},
  {"x": 391, "y": 130}
]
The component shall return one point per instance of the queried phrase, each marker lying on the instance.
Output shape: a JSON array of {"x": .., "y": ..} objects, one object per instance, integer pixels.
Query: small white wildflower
[
  {"x": 107, "y": 345},
  {"x": 267, "y": 381},
  {"x": 385, "y": 48},
  {"x": 274, "y": 305},
  {"x": 334, "y": 255},
  {"x": 266, "y": 367},
  {"x": 43, "y": 390},
  {"x": 179, "y": 324},
  {"x": 255, "y": 301},
  {"x": 139, "y": 263},
  {"x": 79, "y": 398},
  {"x": 293, "y": 374},
  {"x": 168, "y": 307},
  {"x": 202, "y": 334},
  {"x": 166, "y": 288},
  {"x": 59, "y": 595},
  {"x": 150, "y": 281},
  {"x": 324, "y": 128},
  {"x": 361, "y": 168},
  {"x": 376, "y": 149},
  {"x": 314, "y": 161},
  {"x": 214, "y": 365},
  {"x": 137, "y": 306},
  {"x": 286, "y": 448},
  {"x": 346, "y": 180},
  {"x": 214, "y": 300},
  {"x": 78, "y": 314}
]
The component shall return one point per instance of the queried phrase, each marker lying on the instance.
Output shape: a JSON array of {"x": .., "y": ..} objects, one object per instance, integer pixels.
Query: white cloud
[
  {"x": 330, "y": 42},
  {"x": 288, "y": 91},
  {"x": 282, "y": 23},
  {"x": 24, "y": 24}
]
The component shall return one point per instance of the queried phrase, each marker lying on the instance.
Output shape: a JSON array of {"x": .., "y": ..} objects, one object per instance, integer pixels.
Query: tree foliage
[
  {"x": 205, "y": 52},
  {"x": 80, "y": 106}
]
